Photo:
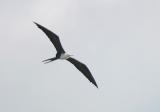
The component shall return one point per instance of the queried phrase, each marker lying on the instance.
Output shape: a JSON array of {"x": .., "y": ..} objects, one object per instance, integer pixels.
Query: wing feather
[
  {"x": 83, "y": 69},
  {"x": 53, "y": 38}
]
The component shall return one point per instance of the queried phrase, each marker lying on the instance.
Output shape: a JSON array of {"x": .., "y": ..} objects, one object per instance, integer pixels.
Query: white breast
[{"x": 64, "y": 56}]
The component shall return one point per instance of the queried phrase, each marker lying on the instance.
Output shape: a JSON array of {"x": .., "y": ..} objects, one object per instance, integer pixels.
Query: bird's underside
[{"x": 62, "y": 55}]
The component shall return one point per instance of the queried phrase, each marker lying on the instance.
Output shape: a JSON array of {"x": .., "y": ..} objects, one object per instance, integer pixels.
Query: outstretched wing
[
  {"x": 53, "y": 38},
  {"x": 83, "y": 68}
]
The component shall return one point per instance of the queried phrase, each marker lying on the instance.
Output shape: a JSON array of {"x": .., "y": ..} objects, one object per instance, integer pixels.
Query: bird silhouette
[{"x": 61, "y": 54}]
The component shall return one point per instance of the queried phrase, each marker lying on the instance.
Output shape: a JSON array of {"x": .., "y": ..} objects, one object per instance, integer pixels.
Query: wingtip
[
  {"x": 95, "y": 84},
  {"x": 36, "y": 23}
]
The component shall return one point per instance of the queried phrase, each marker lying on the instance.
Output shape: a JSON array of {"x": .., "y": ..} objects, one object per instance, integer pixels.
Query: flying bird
[{"x": 61, "y": 54}]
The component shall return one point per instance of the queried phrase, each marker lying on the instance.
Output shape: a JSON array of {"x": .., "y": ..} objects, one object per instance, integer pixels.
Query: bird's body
[
  {"x": 64, "y": 56},
  {"x": 61, "y": 54}
]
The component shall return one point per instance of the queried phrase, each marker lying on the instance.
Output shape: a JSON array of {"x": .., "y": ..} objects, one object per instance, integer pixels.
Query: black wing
[
  {"x": 83, "y": 68},
  {"x": 53, "y": 38}
]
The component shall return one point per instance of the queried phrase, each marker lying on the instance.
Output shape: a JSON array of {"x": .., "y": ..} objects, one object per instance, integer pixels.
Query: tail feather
[{"x": 49, "y": 60}]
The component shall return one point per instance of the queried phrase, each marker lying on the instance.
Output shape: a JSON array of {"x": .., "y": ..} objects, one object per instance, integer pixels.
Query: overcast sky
[{"x": 119, "y": 40}]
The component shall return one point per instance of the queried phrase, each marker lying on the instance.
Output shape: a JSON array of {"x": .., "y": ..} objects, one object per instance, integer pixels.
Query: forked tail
[{"x": 49, "y": 60}]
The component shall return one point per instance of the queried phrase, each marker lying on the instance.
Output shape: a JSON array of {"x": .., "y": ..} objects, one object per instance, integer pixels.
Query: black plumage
[
  {"x": 83, "y": 69},
  {"x": 60, "y": 51},
  {"x": 53, "y": 38}
]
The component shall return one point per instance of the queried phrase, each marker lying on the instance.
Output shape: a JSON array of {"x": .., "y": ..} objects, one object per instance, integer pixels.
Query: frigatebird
[{"x": 61, "y": 54}]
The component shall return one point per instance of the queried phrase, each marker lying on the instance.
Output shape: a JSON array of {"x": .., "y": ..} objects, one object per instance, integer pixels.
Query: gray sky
[{"x": 117, "y": 39}]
